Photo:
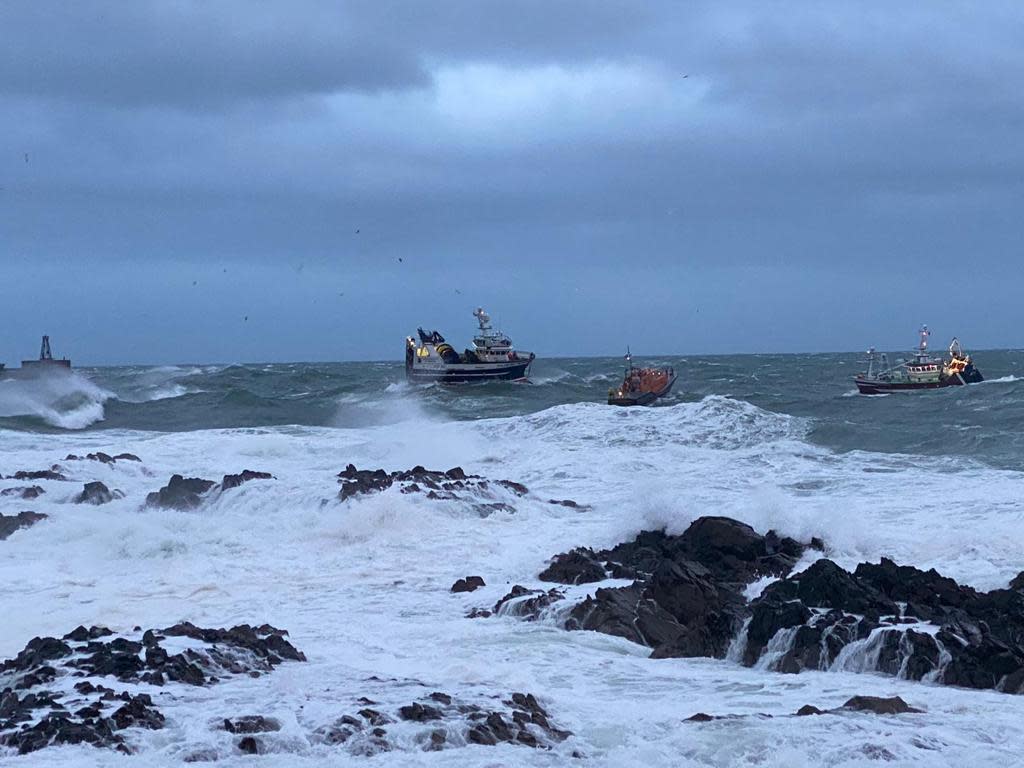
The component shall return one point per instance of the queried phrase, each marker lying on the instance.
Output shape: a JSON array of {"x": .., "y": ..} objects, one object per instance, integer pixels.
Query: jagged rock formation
[
  {"x": 687, "y": 599},
  {"x": 889, "y": 618},
  {"x": 450, "y": 485},
  {"x": 186, "y": 493},
  {"x": 447, "y": 723},
  {"x": 90, "y": 712}
]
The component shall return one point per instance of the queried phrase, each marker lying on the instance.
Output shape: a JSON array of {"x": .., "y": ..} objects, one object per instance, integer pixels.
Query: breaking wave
[{"x": 64, "y": 401}]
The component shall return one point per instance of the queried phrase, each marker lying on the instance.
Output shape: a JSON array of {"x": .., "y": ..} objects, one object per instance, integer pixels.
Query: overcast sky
[{"x": 238, "y": 181}]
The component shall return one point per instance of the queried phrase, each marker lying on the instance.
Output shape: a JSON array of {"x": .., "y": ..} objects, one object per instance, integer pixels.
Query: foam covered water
[{"x": 363, "y": 586}]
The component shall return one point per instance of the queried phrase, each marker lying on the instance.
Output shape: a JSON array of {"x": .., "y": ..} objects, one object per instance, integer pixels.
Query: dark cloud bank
[{"x": 682, "y": 177}]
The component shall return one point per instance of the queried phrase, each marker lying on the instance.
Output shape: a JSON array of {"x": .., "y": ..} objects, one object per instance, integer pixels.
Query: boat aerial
[
  {"x": 642, "y": 386},
  {"x": 46, "y": 364},
  {"x": 921, "y": 371},
  {"x": 492, "y": 357}
]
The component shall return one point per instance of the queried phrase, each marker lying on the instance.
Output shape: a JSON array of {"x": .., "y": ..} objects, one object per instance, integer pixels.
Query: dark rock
[
  {"x": 468, "y": 584},
  {"x": 251, "y": 724},
  {"x": 826, "y": 585},
  {"x": 373, "y": 717},
  {"x": 904, "y": 583},
  {"x": 44, "y": 474},
  {"x": 701, "y": 717},
  {"x": 233, "y": 481},
  {"x": 419, "y": 713},
  {"x": 437, "y": 741},
  {"x": 94, "y": 493},
  {"x": 567, "y": 503},
  {"x": 680, "y": 612},
  {"x": 578, "y": 566},
  {"x": 221, "y": 653},
  {"x": 517, "y": 488},
  {"x": 1018, "y": 582},
  {"x": 893, "y": 705},
  {"x": 808, "y": 709},
  {"x": 440, "y": 698},
  {"x": 769, "y": 615},
  {"x": 180, "y": 493},
  {"x": 360, "y": 481},
  {"x": 481, "y": 734},
  {"x": 138, "y": 713},
  {"x": 11, "y": 523},
  {"x": 24, "y": 492},
  {"x": 80, "y": 634},
  {"x": 249, "y": 745},
  {"x": 526, "y": 603},
  {"x": 127, "y": 457}
]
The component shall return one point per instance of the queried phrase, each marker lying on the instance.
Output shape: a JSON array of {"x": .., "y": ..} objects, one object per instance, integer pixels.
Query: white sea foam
[
  {"x": 363, "y": 585},
  {"x": 65, "y": 400}
]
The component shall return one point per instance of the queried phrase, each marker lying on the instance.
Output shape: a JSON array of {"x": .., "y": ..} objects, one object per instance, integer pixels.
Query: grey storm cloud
[{"x": 815, "y": 146}]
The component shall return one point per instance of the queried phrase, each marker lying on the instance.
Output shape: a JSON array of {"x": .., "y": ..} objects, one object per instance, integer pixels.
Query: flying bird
[
  {"x": 26, "y": 157},
  {"x": 357, "y": 231},
  {"x": 399, "y": 259}
]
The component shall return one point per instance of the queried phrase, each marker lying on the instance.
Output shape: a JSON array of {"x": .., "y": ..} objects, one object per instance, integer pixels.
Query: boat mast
[{"x": 922, "y": 348}]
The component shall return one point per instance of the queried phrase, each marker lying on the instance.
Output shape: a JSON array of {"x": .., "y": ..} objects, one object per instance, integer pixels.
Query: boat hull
[
  {"x": 642, "y": 398},
  {"x": 878, "y": 387},
  {"x": 467, "y": 373}
]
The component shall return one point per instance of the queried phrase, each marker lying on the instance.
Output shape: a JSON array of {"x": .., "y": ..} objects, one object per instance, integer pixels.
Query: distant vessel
[
  {"x": 46, "y": 363},
  {"x": 492, "y": 357},
  {"x": 921, "y": 371},
  {"x": 642, "y": 386}
]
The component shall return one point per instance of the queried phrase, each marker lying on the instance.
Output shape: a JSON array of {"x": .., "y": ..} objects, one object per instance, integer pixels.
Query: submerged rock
[
  {"x": 103, "y": 458},
  {"x": 233, "y": 481},
  {"x": 434, "y": 484},
  {"x": 893, "y": 705},
  {"x": 42, "y": 474},
  {"x": 447, "y": 723},
  {"x": 251, "y": 724},
  {"x": 96, "y": 493},
  {"x": 24, "y": 492},
  {"x": 11, "y": 523}
]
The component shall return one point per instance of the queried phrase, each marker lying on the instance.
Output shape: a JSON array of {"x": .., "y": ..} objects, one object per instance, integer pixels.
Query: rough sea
[{"x": 933, "y": 479}]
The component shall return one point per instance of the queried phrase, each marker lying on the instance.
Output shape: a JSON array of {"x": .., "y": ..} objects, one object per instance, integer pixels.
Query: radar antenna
[{"x": 483, "y": 318}]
